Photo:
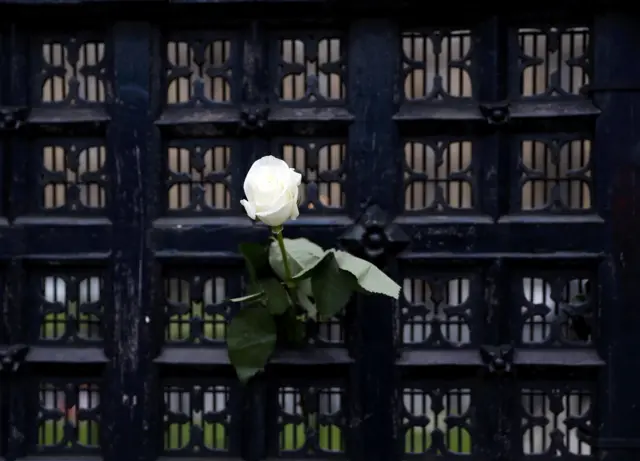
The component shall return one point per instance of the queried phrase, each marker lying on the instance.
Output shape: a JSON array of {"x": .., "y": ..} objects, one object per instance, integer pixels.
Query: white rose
[{"x": 272, "y": 190}]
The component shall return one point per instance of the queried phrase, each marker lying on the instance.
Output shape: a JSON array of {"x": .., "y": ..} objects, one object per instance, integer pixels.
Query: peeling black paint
[{"x": 131, "y": 140}]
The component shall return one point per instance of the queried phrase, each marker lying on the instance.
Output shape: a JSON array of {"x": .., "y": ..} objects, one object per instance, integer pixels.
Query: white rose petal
[
  {"x": 272, "y": 190},
  {"x": 294, "y": 210},
  {"x": 276, "y": 216},
  {"x": 248, "y": 207}
]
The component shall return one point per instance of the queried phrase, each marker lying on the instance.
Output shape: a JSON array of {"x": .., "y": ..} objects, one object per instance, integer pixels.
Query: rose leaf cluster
[
  {"x": 291, "y": 281},
  {"x": 322, "y": 284}
]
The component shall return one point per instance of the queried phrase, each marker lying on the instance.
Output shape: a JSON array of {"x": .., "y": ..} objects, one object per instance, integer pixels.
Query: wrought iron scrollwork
[
  {"x": 585, "y": 432},
  {"x": 498, "y": 359},
  {"x": 12, "y": 357},
  {"x": 578, "y": 316},
  {"x": 374, "y": 235},
  {"x": 12, "y": 118},
  {"x": 496, "y": 113},
  {"x": 254, "y": 118}
]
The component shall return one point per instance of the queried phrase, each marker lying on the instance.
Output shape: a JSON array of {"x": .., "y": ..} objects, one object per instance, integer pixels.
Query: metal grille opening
[
  {"x": 556, "y": 175},
  {"x": 554, "y": 61},
  {"x": 556, "y": 309},
  {"x": 68, "y": 418},
  {"x": 322, "y": 166},
  {"x": 437, "y": 64},
  {"x": 311, "y": 69},
  {"x": 73, "y": 71},
  {"x": 310, "y": 420},
  {"x": 438, "y": 176},
  {"x": 71, "y": 308},
  {"x": 330, "y": 331},
  {"x": 436, "y": 421},
  {"x": 199, "y": 70},
  {"x": 437, "y": 310},
  {"x": 552, "y": 420},
  {"x": 74, "y": 176},
  {"x": 196, "y": 420},
  {"x": 199, "y": 177},
  {"x": 197, "y": 309}
]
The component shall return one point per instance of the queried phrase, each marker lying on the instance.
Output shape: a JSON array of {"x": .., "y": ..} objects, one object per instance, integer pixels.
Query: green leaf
[
  {"x": 304, "y": 292},
  {"x": 277, "y": 298},
  {"x": 293, "y": 329},
  {"x": 251, "y": 339},
  {"x": 256, "y": 257},
  {"x": 311, "y": 268},
  {"x": 248, "y": 298},
  {"x": 369, "y": 277},
  {"x": 301, "y": 253},
  {"x": 332, "y": 288}
]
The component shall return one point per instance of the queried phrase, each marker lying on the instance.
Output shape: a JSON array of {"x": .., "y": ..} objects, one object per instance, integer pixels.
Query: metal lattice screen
[{"x": 197, "y": 178}]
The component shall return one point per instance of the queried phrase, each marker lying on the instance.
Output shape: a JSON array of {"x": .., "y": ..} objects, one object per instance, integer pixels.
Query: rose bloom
[{"x": 272, "y": 189}]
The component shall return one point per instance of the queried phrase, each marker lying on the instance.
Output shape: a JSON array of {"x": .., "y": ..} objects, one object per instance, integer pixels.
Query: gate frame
[{"x": 133, "y": 245}]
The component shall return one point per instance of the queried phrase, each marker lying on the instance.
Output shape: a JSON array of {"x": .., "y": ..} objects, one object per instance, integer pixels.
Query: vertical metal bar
[
  {"x": 373, "y": 83},
  {"x": 492, "y": 157},
  {"x": 256, "y": 417},
  {"x": 17, "y": 150},
  {"x": 616, "y": 156},
  {"x": 4, "y": 86},
  {"x": 491, "y": 399},
  {"x": 132, "y": 140},
  {"x": 18, "y": 146},
  {"x": 490, "y": 87}
]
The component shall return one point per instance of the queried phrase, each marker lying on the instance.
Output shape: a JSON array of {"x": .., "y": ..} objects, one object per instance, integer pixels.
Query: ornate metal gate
[{"x": 489, "y": 160}]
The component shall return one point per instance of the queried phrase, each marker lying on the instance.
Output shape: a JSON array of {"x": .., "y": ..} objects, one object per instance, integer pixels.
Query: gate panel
[
  {"x": 231, "y": 95},
  {"x": 553, "y": 297},
  {"x": 469, "y": 159},
  {"x": 57, "y": 279},
  {"x": 450, "y": 163},
  {"x": 505, "y": 240}
]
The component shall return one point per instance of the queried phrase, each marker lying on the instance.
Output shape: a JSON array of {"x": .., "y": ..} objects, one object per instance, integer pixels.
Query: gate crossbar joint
[
  {"x": 498, "y": 359},
  {"x": 12, "y": 357},
  {"x": 12, "y": 117}
]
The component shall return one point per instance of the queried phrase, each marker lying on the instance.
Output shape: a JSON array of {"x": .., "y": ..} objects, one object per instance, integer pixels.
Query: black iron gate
[{"x": 489, "y": 160}]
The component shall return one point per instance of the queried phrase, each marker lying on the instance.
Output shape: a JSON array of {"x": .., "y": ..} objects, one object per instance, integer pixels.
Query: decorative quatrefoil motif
[{"x": 375, "y": 236}]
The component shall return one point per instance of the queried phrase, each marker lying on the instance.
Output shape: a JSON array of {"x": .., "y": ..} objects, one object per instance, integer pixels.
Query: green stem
[{"x": 277, "y": 231}]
